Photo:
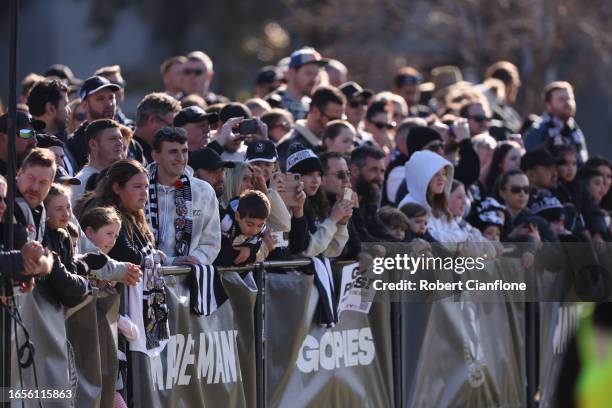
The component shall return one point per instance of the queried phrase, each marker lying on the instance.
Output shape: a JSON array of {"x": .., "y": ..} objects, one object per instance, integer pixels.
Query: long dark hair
[
  {"x": 317, "y": 207},
  {"x": 119, "y": 172},
  {"x": 502, "y": 182},
  {"x": 594, "y": 162},
  {"x": 495, "y": 168}
]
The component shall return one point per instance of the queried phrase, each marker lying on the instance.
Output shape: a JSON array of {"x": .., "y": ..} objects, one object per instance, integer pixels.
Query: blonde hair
[{"x": 233, "y": 180}]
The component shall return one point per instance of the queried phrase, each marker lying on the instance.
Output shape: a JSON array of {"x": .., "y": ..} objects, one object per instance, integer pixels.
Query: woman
[
  {"x": 237, "y": 180},
  {"x": 429, "y": 179},
  {"x": 339, "y": 136},
  {"x": 327, "y": 227},
  {"x": 513, "y": 190},
  {"x": 125, "y": 187},
  {"x": 604, "y": 166},
  {"x": 77, "y": 115},
  {"x": 506, "y": 157}
]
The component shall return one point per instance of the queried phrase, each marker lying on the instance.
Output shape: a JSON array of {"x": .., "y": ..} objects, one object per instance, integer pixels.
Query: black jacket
[
  {"x": 578, "y": 194},
  {"x": 77, "y": 145}
]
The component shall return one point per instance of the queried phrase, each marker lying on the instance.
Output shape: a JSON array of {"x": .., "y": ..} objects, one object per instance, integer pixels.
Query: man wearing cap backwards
[
  {"x": 181, "y": 210},
  {"x": 196, "y": 123},
  {"x": 99, "y": 102},
  {"x": 302, "y": 76},
  {"x": 25, "y": 139}
]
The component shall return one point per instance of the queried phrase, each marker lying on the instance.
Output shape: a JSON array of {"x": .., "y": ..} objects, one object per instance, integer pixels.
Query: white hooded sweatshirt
[{"x": 420, "y": 169}]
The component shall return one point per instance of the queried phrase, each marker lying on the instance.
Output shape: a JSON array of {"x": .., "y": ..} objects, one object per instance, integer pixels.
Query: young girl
[{"x": 339, "y": 136}]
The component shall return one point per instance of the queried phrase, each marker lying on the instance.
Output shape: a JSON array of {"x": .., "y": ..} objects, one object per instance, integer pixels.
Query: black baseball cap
[
  {"x": 538, "y": 157},
  {"x": 234, "y": 110},
  {"x": 46, "y": 141},
  {"x": 261, "y": 150},
  {"x": 208, "y": 159},
  {"x": 267, "y": 75},
  {"x": 94, "y": 84},
  {"x": 63, "y": 72},
  {"x": 62, "y": 177},
  {"x": 354, "y": 90},
  {"x": 23, "y": 120},
  {"x": 194, "y": 114}
]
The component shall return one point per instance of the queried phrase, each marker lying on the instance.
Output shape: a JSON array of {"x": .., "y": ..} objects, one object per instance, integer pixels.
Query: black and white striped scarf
[
  {"x": 183, "y": 224},
  {"x": 154, "y": 306},
  {"x": 202, "y": 296},
  {"x": 327, "y": 308}
]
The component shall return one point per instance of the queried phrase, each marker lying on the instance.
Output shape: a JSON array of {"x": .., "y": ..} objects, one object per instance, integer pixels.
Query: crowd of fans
[{"x": 312, "y": 165}]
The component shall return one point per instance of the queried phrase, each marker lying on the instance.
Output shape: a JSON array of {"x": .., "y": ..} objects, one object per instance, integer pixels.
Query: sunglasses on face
[
  {"x": 435, "y": 145},
  {"x": 330, "y": 118},
  {"x": 480, "y": 118},
  {"x": 26, "y": 134},
  {"x": 80, "y": 116},
  {"x": 382, "y": 125},
  {"x": 518, "y": 189},
  {"x": 342, "y": 174},
  {"x": 194, "y": 71},
  {"x": 409, "y": 80}
]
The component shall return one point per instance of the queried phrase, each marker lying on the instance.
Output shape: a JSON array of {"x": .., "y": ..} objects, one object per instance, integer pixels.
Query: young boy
[
  {"x": 396, "y": 221},
  {"x": 242, "y": 229},
  {"x": 417, "y": 222},
  {"x": 488, "y": 217}
]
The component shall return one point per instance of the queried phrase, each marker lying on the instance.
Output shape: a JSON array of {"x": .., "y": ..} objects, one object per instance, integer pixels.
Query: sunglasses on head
[
  {"x": 518, "y": 189},
  {"x": 26, "y": 134},
  {"x": 382, "y": 125},
  {"x": 194, "y": 71},
  {"x": 357, "y": 103},
  {"x": 480, "y": 118},
  {"x": 342, "y": 174}
]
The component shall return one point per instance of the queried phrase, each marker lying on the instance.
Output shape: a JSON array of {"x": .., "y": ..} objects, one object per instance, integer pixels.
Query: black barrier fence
[{"x": 265, "y": 347}]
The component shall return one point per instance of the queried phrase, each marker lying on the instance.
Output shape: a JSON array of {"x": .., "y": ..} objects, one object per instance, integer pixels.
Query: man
[
  {"x": 181, "y": 210},
  {"x": 357, "y": 100},
  {"x": 477, "y": 116},
  {"x": 327, "y": 105},
  {"x": 34, "y": 180},
  {"x": 171, "y": 71},
  {"x": 302, "y": 76},
  {"x": 367, "y": 170},
  {"x": 99, "y": 102},
  {"x": 508, "y": 73},
  {"x": 267, "y": 80},
  {"x": 336, "y": 178},
  {"x": 540, "y": 167},
  {"x": 196, "y": 123},
  {"x": 406, "y": 84},
  {"x": 105, "y": 146},
  {"x": 229, "y": 142},
  {"x": 198, "y": 73},
  {"x": 336, "y": 72},
  {"x": 557, "y": 125},
  {"x": 155, "y": 111},
  {"x": 379, "y": 124},
  {"x": 207, "y": 165},
  {"x": 26, "y": 85},
  {"x": 48, "y": 102},
  {"x": 25, "y": 139},
  {"x": 113, "y": 74}
]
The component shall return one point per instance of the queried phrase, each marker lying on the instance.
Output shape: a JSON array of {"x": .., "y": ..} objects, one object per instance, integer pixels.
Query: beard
[{"x": 368, "y": 191}]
